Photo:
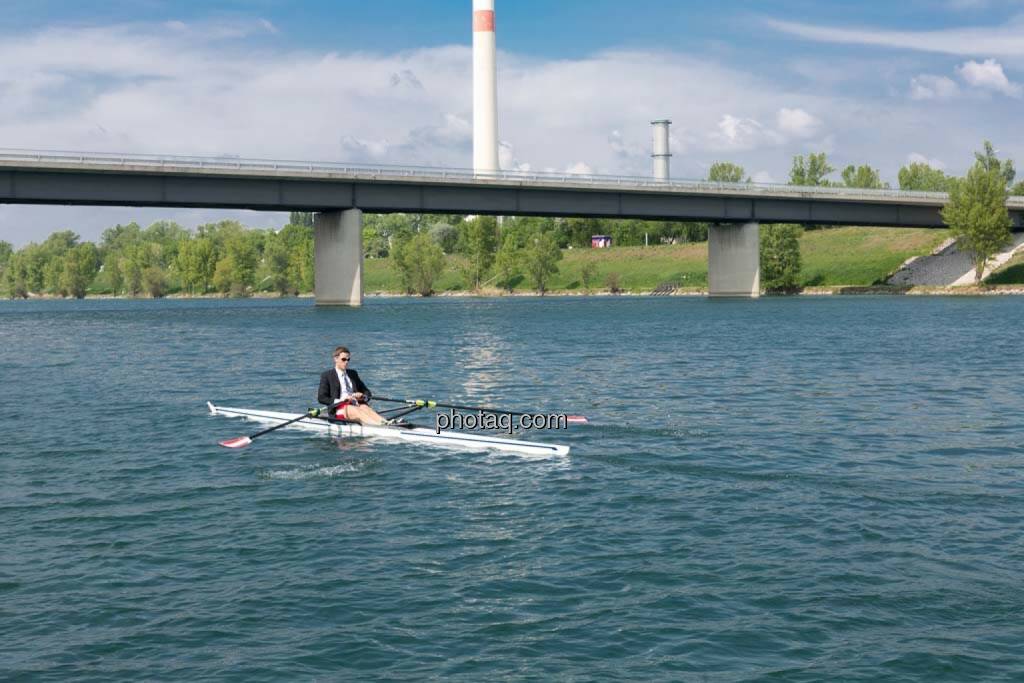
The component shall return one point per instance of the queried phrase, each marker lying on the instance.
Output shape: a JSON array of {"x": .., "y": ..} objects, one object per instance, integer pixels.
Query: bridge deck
[{"x": 31, "y": 177}]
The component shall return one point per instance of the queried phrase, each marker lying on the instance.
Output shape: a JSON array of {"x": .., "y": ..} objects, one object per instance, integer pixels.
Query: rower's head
[{"x": 341, "y": 357}]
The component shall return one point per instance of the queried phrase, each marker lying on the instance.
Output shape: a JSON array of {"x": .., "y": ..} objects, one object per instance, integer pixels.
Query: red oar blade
[
  {"x": 576, "y": 419},
  {"x": 239, "y": 442}
]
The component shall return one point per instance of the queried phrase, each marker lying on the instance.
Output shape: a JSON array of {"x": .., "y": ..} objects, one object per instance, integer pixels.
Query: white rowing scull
[{"x": 414, "y": 434}]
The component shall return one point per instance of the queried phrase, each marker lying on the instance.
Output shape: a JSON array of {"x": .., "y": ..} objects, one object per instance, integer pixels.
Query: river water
[{"x": 790, "y": 488}]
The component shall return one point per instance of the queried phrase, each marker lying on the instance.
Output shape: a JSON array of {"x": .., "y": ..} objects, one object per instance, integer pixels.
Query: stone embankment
[{"x": 947, "y": 266}]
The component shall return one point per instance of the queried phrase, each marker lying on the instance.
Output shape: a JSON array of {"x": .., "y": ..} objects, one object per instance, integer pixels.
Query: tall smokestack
[
  {"x": 661, "y": 154},
  {"x": 485, "y": 88}
]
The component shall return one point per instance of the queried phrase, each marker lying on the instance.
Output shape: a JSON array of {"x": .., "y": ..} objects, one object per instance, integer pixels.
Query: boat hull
[{"x": 423, "y": 435}]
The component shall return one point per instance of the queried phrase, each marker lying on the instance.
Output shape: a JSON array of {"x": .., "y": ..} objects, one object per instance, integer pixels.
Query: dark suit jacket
[{"x": 330, "y": 387}]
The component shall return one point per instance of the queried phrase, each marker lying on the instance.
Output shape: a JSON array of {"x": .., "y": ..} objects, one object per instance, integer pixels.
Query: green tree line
[{"x": 223, "y": 257}]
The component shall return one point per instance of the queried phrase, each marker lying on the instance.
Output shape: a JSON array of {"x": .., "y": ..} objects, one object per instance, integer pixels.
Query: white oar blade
[
  {"x": 239, "y": 442},
  {"x": 576, "y": 419}
]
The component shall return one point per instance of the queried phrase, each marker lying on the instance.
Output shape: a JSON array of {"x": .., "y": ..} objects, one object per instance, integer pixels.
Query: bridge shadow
[{"x": 1014, "y": 275}]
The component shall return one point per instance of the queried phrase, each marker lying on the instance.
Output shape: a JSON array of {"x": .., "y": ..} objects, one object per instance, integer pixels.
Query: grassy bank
[
  {"x": 1011, "y": 272},
  {"x": 831, "y": 258},
  {"x": 834, "y": 257}
]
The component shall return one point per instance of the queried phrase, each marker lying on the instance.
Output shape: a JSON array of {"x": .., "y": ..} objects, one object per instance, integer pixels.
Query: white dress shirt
[{"x": 346, "y": 384}]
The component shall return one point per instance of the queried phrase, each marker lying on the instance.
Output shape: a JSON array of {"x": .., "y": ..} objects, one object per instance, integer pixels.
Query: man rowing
[{"x": 345, "y": 393}]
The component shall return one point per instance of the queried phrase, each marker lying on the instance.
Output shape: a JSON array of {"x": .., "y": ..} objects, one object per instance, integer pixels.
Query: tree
[
  {"x": 810, "y": 171},
  {"x": 303, "y": 218},
  {"x": 298, "y": 239},
  {"x": 541, "y": 260},
  {"x": 977, "y": 215},
  {"x": 168, "y": 235},
  {"x": 990, "y": 162},
  {"x": 154, "y": 279},
  {"x": 780, "y": 257},
  {"x": 588, "y": 273},
  {"x": 135, "y": 258},
  {"x": 49, "y": 260},
  {"x": 1018, "y": 189},
  {"x": 613, "y": 281},
  {"x": 34, "y": 259},
  {"x": 687, "y": 231},
  {"x": 923, "y": 178},
  {"x": 631, "y": 232},
  {"x": 445, "y": 234},
  {"x": 53, "y": 276},
  {"x": 480, "y": 237},
  {"x": 80, "y": 267},
  {"x": 220, "y": 234},
  {"x": 420, "y": 262},
  {"x": 222, "y": 275},
  {"x": 507, "y": 260},
  {"x": 301, "y": 264},
  {"x": 241, "y": 258},
  {"x": 6, "y": 252},
  {"x": 16, "y": 276},
  {"x": 278, "y": 258},
  {"x": 196, "y": 262},
  {"x": 725, "y": 172},
  {"x": 120, "y": 236},
  {"x": 382, "y": 231},
  {"x": 576, "y": 231},
  {"x": 862, "y": 176},
  {"x": 375, "y": 245},
  {"x": 112, "y": 271}
]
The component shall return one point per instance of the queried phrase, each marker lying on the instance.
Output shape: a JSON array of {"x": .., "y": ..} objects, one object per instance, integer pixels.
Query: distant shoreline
[{"x": 848, "y": 290}]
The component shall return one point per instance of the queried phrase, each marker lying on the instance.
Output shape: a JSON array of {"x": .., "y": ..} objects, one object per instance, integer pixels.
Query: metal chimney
[
  {"x": 661, "y": 154},
  {"x": 485, "y": 88}
]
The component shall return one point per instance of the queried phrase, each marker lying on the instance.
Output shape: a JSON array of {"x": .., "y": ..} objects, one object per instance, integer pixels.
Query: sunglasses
[{"x": 346, "y": 359}]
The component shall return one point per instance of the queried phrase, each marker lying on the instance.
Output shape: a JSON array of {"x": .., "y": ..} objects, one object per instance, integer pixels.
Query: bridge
[{"x": 340, "y": 193}]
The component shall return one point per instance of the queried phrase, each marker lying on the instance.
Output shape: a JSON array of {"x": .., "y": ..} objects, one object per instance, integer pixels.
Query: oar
[
  {"x": 243, "y": 441},
  {"x": 574, "y": 419}
]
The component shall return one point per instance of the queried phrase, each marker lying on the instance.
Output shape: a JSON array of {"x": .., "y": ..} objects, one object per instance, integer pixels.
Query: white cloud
[
  {"x": 507, "y": 158},
  {"x": 178, "y": 89},
  {"x": 929, "y": 87},
  {"x": 797, "y": 123},
  {"x": 579, "y": 168},
  {"x": 976, "y": 5},
  {"x": 735, "y": 133},
  {"x": 988, "y": 75},
  {"x": 630, "y": 150},
  {"x": 995, "y": 40},
  {"x": 763, "y": 177}
]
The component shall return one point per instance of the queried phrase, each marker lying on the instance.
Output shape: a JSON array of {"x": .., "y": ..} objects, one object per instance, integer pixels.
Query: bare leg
[{"x": 363, "y": 414}]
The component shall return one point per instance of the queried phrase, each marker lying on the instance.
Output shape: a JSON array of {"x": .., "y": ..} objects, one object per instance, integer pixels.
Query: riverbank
[
  {"x": 837, "y": 290},
  {"x": 836, "y": 257},
  {"x": 836, "y": 261}
]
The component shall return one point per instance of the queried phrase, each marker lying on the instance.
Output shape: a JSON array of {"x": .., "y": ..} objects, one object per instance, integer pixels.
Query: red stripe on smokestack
[{"x": 483, "y": 20}]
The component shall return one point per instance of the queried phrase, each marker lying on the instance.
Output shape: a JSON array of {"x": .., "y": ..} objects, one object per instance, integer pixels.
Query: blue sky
[{"x": 751, "y": 82}]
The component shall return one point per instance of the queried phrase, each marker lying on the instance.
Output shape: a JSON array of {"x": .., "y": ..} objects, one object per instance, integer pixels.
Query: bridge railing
[{"x": 381, "y": 171}]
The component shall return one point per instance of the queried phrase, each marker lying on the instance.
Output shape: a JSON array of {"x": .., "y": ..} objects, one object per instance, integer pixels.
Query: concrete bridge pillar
[
  {"x": 338, "y": 258},
  {"x": 734, "y": 260}
]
